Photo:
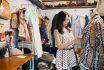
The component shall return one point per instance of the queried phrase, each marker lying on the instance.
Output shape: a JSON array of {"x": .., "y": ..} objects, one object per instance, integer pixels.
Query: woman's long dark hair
[{"x": 60, "y": 18}]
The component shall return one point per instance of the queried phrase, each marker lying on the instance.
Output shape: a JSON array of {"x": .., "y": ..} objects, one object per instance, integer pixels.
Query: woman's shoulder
[{"x": 56, "y": 31}]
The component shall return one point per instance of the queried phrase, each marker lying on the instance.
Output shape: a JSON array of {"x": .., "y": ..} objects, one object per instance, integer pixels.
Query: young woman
[{"x": 65, "y": 56}]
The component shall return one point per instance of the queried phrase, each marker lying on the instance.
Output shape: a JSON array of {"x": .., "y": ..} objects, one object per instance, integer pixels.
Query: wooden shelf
[
  {"x": 68, "y": 7},
  {"x": 59, "y": 0}
]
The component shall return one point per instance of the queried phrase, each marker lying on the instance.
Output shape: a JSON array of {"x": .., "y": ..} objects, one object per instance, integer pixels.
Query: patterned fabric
[
  {"x": 86, "y": 21},
  {"x": 92, "y": 41},
  {"x": 68, "y": 59},
  {"x": 101, "y": 59}
]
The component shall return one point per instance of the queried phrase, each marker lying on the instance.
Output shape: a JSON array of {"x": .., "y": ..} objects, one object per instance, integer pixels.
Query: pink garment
[
  {"x": 16, "y": 51},
  {"x": 23, "y": 30},
  {"x": 42, "y": 40}
]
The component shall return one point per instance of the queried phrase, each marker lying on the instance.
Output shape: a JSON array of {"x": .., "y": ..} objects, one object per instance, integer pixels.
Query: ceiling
[{"x": 58, "y": 4}]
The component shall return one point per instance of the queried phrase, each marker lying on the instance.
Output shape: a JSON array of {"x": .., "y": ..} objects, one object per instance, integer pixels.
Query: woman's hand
[{"x": 77, "y": 39}]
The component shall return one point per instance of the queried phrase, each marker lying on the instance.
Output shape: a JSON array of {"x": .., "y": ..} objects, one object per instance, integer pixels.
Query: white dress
[
  {"x": 68, "y": 57},
  {"x": 76, "y": 28}
]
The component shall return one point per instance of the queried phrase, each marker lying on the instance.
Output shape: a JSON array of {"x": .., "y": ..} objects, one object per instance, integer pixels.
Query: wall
[
  {"x": 14, "y": 5},
  {"x": 76, "y": 11}
]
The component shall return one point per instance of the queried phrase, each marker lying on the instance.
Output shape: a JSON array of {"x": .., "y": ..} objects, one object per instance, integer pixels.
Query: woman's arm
[{"x": 61, "y": 45}]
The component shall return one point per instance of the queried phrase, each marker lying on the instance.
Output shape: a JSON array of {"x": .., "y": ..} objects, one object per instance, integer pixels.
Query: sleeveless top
[{"x": 67, "y": 58}]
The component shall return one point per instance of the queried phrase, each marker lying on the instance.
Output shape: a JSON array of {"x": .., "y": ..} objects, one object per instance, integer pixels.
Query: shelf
[{"x": 60, "y": 0}]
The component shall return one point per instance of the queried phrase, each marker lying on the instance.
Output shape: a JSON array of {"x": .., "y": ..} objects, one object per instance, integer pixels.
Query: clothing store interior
[{"x": 51, "y": 34}]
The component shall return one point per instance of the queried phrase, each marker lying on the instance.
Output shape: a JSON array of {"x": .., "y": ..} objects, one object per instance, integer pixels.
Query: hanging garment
[
  {"x": 47, "y": 24},
  {"x": 82, "y": 21},
  {"x": 43, "y": 31},
  {"x": 15, "y": 37},
  {"x": 76, "y": 27},
  {"x": 23, "y": 30},
  {"x": 86, "y": 20},
  {"x": 68, "y": 59},
  {"x": 29, "y": 30},
  {"x": 40, "y": 21},
  {"x": 14, "y": 20},
  {"x": 92, "y": 41},
  {"x": 36, "y": 40}
]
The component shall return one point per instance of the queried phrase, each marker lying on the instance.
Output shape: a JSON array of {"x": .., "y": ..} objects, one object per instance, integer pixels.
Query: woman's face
[{"x": 65, "y": 22}]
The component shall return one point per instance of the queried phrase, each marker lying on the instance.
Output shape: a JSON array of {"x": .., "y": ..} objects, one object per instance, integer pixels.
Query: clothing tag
[{"x": 21, "y": 56}]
